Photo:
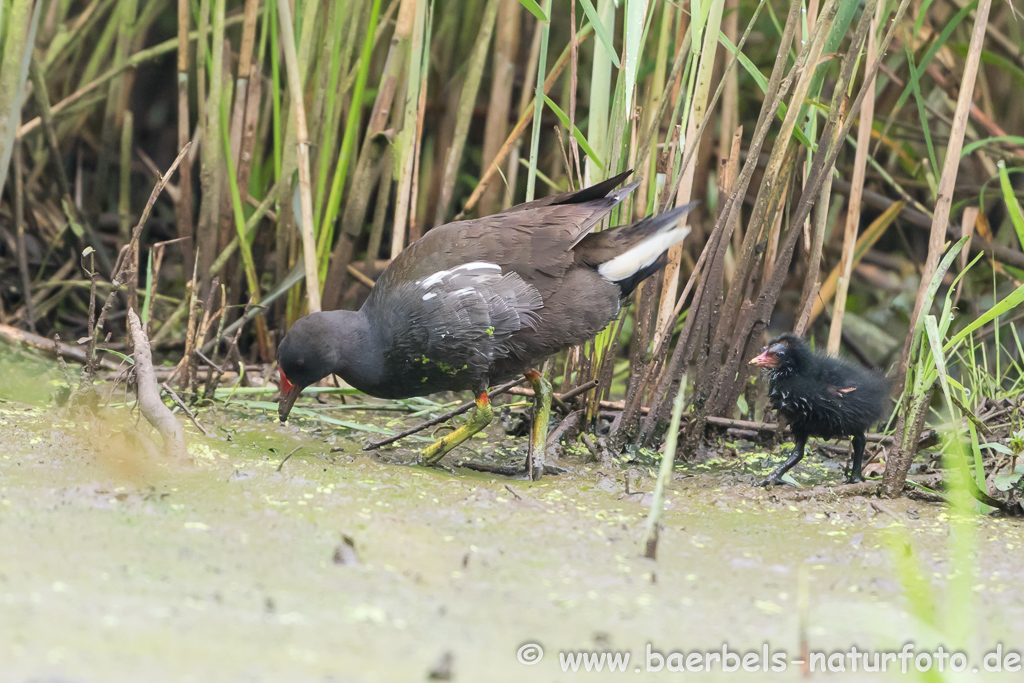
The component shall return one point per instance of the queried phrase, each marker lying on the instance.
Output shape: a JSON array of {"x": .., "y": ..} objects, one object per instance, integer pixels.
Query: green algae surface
[{"x": 120, "y": 566}]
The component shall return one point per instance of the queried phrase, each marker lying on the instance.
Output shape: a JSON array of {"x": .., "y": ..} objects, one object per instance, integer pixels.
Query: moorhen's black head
[
  {"x": 315, "y": 347},
  {"x": 786, "y": 355}
]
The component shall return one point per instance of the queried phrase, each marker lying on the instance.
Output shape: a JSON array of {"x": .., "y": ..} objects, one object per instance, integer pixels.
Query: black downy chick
[{"x": 821, "y": 396}]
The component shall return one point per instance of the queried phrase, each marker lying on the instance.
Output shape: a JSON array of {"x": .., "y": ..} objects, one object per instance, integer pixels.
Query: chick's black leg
[
  {"x": 859, "y": 441},
  {"x": 796, "y": 456}
]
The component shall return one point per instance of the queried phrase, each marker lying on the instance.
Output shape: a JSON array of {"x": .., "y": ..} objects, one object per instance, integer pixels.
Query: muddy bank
[{"x": 120, "y": 566}]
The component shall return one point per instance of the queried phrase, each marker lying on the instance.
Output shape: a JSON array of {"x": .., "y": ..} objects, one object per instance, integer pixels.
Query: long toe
[{"x": 770, "y": 482}]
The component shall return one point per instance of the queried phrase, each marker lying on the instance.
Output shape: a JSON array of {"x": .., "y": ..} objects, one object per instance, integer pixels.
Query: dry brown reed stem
[
  {"x": 237, "y": 126},
  {"x": 467, "y": 103},
  {"x": 730, "y": 203},
  {"x": 124, "y": 200},
  {"x": 860, "y": 162},
  {"x": 731, "y": 170},
  {"x": 898, "y": 463},
  {"x": 183, "y": 203},
  {"x": 753, "y": 317},
  {"x": 513, "y": 137},
  {"x": 947, "y": 182},
  {"x": 368, "y": 172},
  {"x": 250, "y": 15},
  {"x": 503, "y": 70},
  {"x": 368, "y": 168},
  {"x": 698, "y": 113},
  {"x": 211, "y": 163},
  {"x": 148, "y": 392},
  {"x": 409, "y": 140},
  {"x": 19, "y": 226},
  {"x": 574, "y": 63},
  {"x": 778, "y": 86},
  {"x": 837, "y": 127},
  {"x": 251, "y": 116},
  {"x": 116, "y": 101},
  {"x": 415, "y": 228},
  {"x": 818, "y": 179},
  {"x": 306, "y": 226},
  {"x": 730, "y": 116}
]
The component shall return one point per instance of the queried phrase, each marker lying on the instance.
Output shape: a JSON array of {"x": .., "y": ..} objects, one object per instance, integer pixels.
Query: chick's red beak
[
  {"x": 289, "y": 392},
  {"x": 764, "y": 360}
]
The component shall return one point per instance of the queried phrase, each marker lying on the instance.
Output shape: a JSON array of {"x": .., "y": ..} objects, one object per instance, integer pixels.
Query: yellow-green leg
[
  {"x": 541, "y": 416},
  {"x": 481, "y": 417}
]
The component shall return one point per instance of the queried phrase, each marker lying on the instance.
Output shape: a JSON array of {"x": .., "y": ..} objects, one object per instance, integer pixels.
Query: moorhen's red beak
[
  {"x": 289, "y": 392},
  {"x": 764, "y": 360}
]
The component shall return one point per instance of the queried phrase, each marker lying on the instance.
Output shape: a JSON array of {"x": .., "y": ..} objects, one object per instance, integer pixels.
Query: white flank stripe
[
  {"x": 642, "y": 255},
  {"x": 479, "y": 265},
  {"x": 434, "y": 279}
]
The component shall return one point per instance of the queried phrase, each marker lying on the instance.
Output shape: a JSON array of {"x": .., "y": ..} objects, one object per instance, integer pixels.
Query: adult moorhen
[
  {"x": 820, "y": 396},
  {"x": 477, "y": 302}
]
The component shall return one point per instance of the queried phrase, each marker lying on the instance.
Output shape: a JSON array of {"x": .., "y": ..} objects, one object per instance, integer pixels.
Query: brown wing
[{"x": 535, "y": 242}]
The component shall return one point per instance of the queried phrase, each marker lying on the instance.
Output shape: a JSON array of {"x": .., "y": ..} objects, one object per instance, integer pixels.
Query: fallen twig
[
  {"x": 373, "y": 445},
  {"x": 184, "y": 408},
  {"x": 148, "y": 392},
  {"x": 48, "y": 346},
  {"x": 285, "y": 459},
  {"x": 558, "y": 400},
  {"x": 928, "y": 437}
]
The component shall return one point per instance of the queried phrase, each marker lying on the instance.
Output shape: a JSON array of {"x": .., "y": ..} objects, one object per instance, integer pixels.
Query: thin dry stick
[
  {"x": 947, "y": 183},
  {"x": 184, "y": 408},
  {"x": 14, "y": 335},
  {"x": 291, "y": 60},
  {"x": 123, "y": 269},
  {"x": 373, "y": 445},
  {"x": 860, "y": 162},
  {"x": 285, "y": 458},
  {"x": 359, "y": 276}
]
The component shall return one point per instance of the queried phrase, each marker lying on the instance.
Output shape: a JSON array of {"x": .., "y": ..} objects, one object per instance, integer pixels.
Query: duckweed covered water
[{"x": 119, "y": 566}]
